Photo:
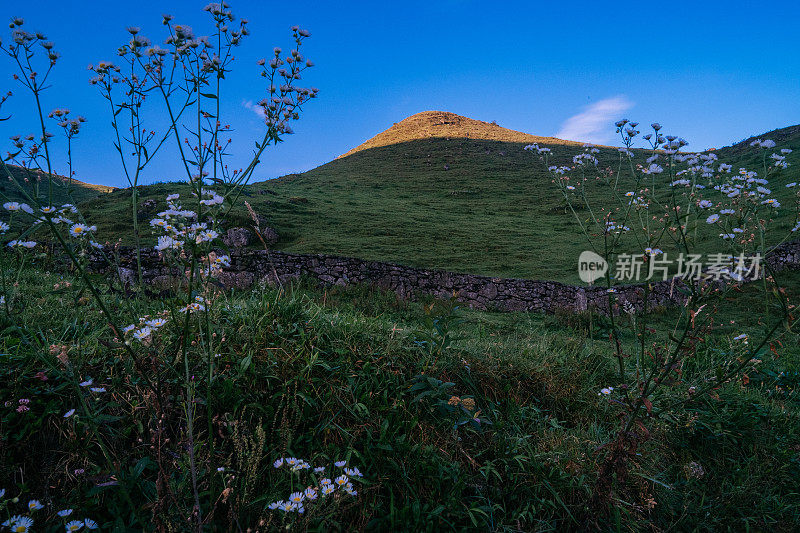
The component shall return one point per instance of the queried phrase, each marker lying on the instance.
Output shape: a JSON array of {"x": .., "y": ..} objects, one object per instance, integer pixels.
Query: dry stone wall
[{"x": 479, "y": 292}]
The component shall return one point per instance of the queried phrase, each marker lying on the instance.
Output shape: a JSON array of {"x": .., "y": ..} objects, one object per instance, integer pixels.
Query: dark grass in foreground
[{"x": 323, "y": 372}]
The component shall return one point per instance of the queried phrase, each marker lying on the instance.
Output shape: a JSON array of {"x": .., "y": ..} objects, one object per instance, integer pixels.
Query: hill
[
  {"x": 64, "y": 191},
  {"x": 445, "y": 125},
  {"x": 481, "y": 206}
]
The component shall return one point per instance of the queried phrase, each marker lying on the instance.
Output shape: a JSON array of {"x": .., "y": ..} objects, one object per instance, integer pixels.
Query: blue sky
[{"x": 714, "y": 72}]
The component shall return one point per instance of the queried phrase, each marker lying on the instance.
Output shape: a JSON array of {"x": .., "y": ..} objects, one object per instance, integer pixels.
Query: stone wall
[{"x": 479, "y": 292}]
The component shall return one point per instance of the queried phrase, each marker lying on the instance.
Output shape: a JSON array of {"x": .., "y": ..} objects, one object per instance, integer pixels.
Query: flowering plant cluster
[
  {"x": 171, "y": 357},
  {"x": 321, "y": 488},
  {"x": 665, "y": 198}
]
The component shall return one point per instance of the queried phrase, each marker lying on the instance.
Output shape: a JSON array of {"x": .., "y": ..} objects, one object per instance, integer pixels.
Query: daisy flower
[
  {"x": 89, "y": 523},
  {"x": 74, "y": 525},
  {"x": 341, "y": 481},
  {"x": 98, "y": 389},
  {"x": 143, "y": 333},
  {"x": 713, "y": 218},
  {"x": 352, "y": 472},
  {"x": 19, "y": 524},
  {"x": 340, "y": 464},
  {"x": 297, "y": 497},
  {"x": 35, "y": 505},
  {"x": 69, "y": 414},
  {"x": 64, "y": 513}
]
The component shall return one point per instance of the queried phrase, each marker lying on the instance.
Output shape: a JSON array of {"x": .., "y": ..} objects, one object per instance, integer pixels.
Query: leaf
[{"x": 209, "y": 95}]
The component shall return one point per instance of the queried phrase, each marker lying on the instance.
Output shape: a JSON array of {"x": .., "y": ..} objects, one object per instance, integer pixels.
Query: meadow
[{"x": 309, "y": 408}]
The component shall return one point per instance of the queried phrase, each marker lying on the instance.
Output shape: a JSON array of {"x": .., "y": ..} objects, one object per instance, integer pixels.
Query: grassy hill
[
  {"x": 64, "y": 189},
  {"x": 480, "y": 204}
]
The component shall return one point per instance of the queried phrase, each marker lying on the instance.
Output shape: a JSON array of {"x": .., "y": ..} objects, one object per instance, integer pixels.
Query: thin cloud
[
  {"x": 257, "y": 109},
  {"x": 596, "y": 123}
]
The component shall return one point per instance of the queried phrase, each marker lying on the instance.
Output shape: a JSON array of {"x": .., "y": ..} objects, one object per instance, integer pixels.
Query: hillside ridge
[{"x": 444, "y": 124}]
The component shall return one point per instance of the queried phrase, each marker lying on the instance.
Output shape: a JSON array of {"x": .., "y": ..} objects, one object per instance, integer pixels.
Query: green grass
[
  {"x": 63, "y": 190},
  {"x": 339, "y": 371},
  {"x": 494, "y": 212}
]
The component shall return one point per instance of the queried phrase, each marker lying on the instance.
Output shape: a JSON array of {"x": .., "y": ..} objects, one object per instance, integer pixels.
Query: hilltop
[{"x": 445, "y": 125}]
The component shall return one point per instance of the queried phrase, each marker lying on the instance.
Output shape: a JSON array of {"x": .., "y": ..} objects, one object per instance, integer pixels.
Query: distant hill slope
[
  {"x": 455, "y": 203},
  {"x": 80, "y": 191},
  {"x": 442, "y": 124}
]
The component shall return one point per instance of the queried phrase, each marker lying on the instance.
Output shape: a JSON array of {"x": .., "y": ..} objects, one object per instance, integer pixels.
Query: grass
[
  {"x": 79, "y": 191},
  {"x": 494, "y": 212},
  {"x": 359, "y": 373}
]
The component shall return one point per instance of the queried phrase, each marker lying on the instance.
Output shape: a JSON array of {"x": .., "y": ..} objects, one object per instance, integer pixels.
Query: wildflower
[
  {"x": 629, "y": 193},
  {"x": 275, "y": 505},
  {"x": 297, "y": 497},
  {"x": 207, "y": 236},
  {"x": 4, "y": 227},
  {"x": 327, "y": 489},
  {"x": 292, "y": 461},
  {"x": 2, "y": 492},
  {"x": 325, "y": 481},
  {"x": 69, "y": 413},
  {"x": 143, "y": 333},
  {"x": 713, "y": 218},
  {"x": 87, "y": 382},
  {"x": 726, "y": 236},
  {"x": 173, "y": 197},
  {"x": 340, "y": 464},
  {"x": 64, "y": 513},
  {"x": 789, "y": 185},
  {"x": 98, "y": 389},
  {"x": 352, "y": 472},
  {"x": 48, "y": 210},
  {"x": 19, "y": 524},
  {"x": 772, "y": 202},
  {"x": 727, "y": 211},
  {"x": 156, "y": 322},
  {"x": 74, "y": 525},
  {"x": 23, "y": 244},
  {"x": 606, "y": 391},
  {"x": 311, "y": 493},
  {"x": 654, "y": 169},
  {"x": 165, "y": 242},
  {"x": 704, "y": 204},
  {"x": 741, "y": 337},
  {"x": 350, "y": 490},
  {"x": 89, "y": 523},
  {"x": 341, "y": 481},
  {"x": 35, "y": 505},
  {"x": 287, "y": 507},
  {"x": 319, "y": 469},
  {"x": 221, "y": 469},
  {"x": 80, "y": 229}
]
